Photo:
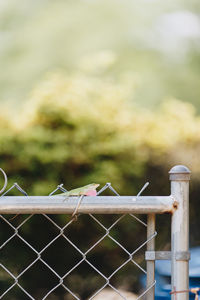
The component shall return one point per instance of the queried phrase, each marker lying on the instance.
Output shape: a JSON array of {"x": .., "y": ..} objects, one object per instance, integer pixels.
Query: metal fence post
[
  {"x": 150, "y": 263},
  {"x": 180, "y": 176}
]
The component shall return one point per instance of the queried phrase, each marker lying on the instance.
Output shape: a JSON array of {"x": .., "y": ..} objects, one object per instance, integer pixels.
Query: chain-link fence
[{"x": 73, "y": 269}]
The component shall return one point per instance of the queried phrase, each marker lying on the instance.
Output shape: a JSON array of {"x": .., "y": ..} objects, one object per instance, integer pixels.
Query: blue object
[{"x": 163, "y": 276}]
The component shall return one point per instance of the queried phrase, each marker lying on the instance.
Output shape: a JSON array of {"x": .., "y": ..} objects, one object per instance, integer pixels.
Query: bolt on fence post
[
  {"x": 179, "y": 177},
  {"x": 150, "y": 263}
]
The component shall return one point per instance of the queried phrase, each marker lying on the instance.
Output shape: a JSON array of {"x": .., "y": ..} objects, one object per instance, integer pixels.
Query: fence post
[
  {"x": 180, "y": 176},
  {"x": 150, "y": 263}
]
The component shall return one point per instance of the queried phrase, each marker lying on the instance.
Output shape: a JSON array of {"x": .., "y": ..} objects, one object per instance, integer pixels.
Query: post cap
[{"x": 179, "y": 173}]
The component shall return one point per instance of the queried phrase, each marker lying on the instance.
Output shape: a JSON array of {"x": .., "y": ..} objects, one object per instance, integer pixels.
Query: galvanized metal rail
[{"x": 94, "y": 205}]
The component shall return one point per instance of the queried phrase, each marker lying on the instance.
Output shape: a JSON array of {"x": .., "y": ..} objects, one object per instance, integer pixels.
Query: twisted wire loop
[
  {"x": 83, "y": 254},
  {"x": 5, "y": 181}
]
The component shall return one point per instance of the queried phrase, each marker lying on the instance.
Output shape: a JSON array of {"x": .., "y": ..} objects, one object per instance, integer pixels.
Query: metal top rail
[{"x": 97, "y": 205}]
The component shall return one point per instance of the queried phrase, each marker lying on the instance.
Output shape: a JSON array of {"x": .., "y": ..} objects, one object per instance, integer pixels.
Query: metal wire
[
  {"x": 5, "y": 180},
  {"x": 84, "y": 254}
]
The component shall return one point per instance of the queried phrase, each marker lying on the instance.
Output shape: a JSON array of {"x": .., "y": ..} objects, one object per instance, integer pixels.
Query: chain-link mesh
[{"x": 39, "y": 255}]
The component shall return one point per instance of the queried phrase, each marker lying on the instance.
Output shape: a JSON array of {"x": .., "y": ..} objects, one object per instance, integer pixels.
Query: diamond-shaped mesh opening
[
  {"x": 107, "y": 256},
  {"x": 16, "y": 247},
  {"x": 84, "y": 280},
  {"x": 46, "y": 230},
  {"x": 78, "y": 231},
  {"x": 126, "y": 275},
  {"x": 61, "y": 255},
  {"x": 34, "y": 280},
  {"x": 124, "y": 228}
]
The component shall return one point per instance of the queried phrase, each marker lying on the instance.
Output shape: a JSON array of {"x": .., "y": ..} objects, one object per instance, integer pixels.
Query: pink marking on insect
[{"x": 91, "y": 193}]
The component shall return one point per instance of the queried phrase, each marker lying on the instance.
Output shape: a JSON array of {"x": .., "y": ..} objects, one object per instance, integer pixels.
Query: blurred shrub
[{"x": 85, "y": 127}]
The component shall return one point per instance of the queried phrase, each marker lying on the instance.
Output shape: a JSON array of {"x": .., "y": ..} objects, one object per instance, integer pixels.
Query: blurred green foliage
[{"x": 84, "y": 127}]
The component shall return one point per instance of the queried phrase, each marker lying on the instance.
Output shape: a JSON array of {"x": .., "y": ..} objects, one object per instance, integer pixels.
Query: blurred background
[{"x": 99, "y": 91}]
